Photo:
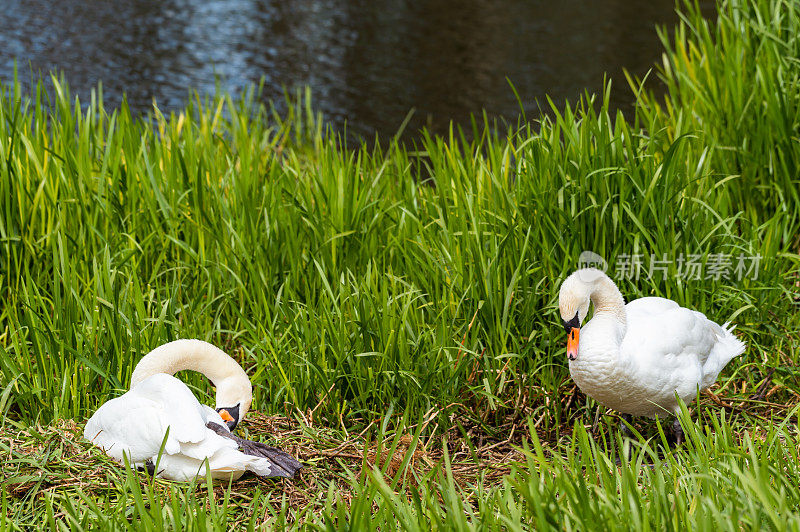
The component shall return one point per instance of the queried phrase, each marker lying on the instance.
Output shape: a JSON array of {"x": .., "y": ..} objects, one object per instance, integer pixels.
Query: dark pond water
[{"x": 367, "y": 62}]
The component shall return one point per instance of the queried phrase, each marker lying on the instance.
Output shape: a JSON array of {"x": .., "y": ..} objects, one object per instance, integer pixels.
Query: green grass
[{"x": 410, "y": 287}]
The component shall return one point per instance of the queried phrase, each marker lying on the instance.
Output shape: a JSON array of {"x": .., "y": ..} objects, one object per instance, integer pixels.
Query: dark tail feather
[{"x": 283, "y": 465}]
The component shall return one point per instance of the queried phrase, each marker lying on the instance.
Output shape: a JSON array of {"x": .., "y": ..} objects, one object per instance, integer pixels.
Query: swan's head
[
  {"x": 233, "y": 400},
  {"x": 573, "y": 304}
]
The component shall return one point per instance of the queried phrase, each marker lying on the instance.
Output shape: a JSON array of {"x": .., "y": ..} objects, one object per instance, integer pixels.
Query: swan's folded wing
[
  {"x": 118, "y": 428},
  {"x": 181, "y": 410},
  {"x": 137, "y": 422},
  {"x": 657, "y": 330}
]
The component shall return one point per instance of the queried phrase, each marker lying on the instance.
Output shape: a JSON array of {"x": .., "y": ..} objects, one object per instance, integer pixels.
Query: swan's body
[
  {"x": 160, "y": 410},
  {"x": 636, "y": 358},
  {"x": 136, "y": 423}
]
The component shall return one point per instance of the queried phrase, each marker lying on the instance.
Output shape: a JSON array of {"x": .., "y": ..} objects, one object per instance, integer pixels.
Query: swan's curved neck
[
  {"x": 607, "y": 299},
  {"x": 196, "y": 355}
]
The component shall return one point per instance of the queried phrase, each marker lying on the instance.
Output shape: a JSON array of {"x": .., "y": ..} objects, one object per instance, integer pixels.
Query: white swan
[
  {"x": 158, "y": 405},
  {"x": 635, "y": 358}
]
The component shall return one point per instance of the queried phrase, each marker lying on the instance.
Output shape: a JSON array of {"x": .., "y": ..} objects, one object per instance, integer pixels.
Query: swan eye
[{"x": 574, "y": 323}]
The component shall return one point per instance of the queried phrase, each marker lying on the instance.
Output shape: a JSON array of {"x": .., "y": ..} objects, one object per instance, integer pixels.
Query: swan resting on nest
[
  {"x": 637, "y": 358},
  {"x": 160, "y": 410}
]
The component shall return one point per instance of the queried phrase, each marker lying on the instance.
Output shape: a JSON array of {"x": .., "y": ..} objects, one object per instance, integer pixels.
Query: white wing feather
[{"x": 673, "y": 348}]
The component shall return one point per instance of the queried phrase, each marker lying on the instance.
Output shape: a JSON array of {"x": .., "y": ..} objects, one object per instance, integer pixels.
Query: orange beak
[
  {"x": 572, "y": 343},
  {"x": 225, "y": 415}
]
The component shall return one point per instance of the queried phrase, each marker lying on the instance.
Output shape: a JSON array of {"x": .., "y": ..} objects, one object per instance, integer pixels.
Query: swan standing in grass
[
  {"x": 636, "y": 358},
  {"x": 158, "y": 405}
]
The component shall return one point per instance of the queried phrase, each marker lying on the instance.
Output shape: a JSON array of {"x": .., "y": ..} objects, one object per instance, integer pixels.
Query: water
[{"x": 368, "y": 62}]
